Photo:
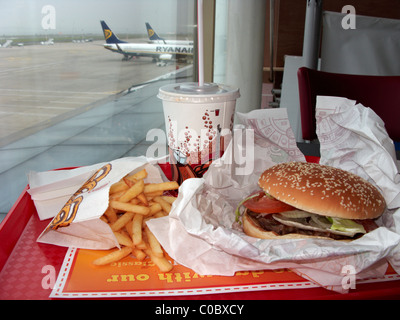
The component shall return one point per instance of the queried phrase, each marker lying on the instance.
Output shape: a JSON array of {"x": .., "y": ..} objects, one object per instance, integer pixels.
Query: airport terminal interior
[{"x": 67, "y": 101}]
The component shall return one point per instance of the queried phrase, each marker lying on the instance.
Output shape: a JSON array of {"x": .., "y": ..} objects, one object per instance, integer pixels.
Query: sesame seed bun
[{"x": 323, "y": 190}]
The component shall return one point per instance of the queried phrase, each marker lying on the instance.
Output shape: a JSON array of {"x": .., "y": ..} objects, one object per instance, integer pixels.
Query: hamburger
[{"x": 309, "y": 200}]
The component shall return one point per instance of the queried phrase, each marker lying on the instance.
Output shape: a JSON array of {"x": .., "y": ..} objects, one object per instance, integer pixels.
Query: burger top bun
[{"x": 323, "y": 190}]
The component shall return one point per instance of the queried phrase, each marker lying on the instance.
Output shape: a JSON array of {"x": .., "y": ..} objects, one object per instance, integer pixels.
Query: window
[{"x": 65, "y": 100}]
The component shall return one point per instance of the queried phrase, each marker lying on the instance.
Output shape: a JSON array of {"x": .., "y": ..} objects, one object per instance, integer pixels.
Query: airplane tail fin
[
  {"x": 109, "y": 35},
  {"x": 152, "y": 34}
]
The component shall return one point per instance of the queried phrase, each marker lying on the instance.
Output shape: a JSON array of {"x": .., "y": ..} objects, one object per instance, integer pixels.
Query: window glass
[
  {"x": 220, "y": 57},
  {"x": 68, "y": 100}
]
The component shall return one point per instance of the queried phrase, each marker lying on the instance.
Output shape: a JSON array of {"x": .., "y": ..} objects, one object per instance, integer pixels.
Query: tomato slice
[{"x": 262, "y": 203}]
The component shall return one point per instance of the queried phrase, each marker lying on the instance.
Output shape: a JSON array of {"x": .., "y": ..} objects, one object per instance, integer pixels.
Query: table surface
[{"x": 22, "y": 260}]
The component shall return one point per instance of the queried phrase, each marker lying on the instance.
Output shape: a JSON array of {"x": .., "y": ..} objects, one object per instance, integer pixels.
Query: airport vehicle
[
  {"x": 49, "y": 42},
  {"x": 160, "y": 52},
  {"x": 155, "y": 38}
]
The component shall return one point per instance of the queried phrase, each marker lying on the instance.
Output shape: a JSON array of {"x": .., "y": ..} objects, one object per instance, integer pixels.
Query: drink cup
[{"x": 198, "y": 122}]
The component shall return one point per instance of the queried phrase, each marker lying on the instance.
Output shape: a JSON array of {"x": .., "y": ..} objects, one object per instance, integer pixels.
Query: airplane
[
  {"x": 49, "y": 42},
  {"x": 7, "y": 44},
  {"x": 161, "y": 53},
  {"x": 155, "y": 38}
]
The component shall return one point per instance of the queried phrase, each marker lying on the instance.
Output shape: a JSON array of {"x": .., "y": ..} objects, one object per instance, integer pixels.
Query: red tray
[{"x": 22, "y": 262}]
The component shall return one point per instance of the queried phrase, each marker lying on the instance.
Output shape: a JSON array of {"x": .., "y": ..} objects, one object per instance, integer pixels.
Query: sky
[{"x": 25, "y": 17}]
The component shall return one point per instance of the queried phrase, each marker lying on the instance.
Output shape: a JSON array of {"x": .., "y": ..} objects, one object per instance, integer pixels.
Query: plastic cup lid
[{"x": 193, "y": 93}]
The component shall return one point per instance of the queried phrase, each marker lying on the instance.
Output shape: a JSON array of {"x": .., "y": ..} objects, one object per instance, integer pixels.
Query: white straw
[{"x": 200, "y": 41}]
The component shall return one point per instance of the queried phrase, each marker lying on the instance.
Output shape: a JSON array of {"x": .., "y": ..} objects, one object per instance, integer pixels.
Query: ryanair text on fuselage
[{"x": 174, "y": 49}]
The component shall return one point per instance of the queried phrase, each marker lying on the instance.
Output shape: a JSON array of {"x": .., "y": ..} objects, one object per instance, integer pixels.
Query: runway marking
[
  {"x": 59, "y": 91},
  {"x": 41, "y": 114},
  {"x": 69, "y": 102},
  {"x": 38, "y": 107},
  {"x": 23, "y": 69},
  {"x": 40, "y": 100},
  {"x": 40, "y": 97}
]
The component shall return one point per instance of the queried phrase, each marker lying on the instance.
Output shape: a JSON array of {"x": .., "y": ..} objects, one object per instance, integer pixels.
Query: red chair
[{"x": 380, "y": 93}]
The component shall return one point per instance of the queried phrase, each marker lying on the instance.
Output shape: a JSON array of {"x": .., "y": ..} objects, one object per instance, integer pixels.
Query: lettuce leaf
[{"x": 346, "y": 225}]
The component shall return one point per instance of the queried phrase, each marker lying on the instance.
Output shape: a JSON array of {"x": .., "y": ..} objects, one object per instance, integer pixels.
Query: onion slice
[
  {"x": 304, "y": 223},
  {"x": 296, "y": 214}
]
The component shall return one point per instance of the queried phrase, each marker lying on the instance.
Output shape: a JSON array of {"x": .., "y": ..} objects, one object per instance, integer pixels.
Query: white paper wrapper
[
  {"x": 50, "y": 190},
  {"x": 354, "y": 138},
  {"x": 200, "y": 232},
  {"x": 76, "y": 222}
]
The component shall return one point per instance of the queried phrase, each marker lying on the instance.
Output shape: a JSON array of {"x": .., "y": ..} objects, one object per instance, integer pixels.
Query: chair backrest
[{"x": 380, "y": 93}]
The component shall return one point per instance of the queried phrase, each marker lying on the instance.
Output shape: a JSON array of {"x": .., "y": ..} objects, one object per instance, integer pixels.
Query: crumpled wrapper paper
[
  {"x": 78, "y": 198},
  {"x": 201, "y": 232},
  {"x": 354, "y": 138}
]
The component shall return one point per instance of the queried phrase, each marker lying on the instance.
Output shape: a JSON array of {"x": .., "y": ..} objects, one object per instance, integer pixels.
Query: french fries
[
  {"x": 153, "y": 243},
  {"x": 161, "y": 262},
  {"x": 165, "y": 205},
  {"x": 132, "y": 203},
  {"x": 137, "y": 223},
  {"x": 115, "y": 255},
  {"x": 123, "y": 239},
  {"x": 133, "y": 191},
  {"x": 163, "y": 186}
]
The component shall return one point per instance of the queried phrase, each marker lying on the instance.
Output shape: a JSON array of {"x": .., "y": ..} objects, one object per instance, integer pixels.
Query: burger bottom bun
[{"x": 253, "y": 229}]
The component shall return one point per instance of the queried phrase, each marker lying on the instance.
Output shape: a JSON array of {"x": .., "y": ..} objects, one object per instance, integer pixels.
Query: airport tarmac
[
  {"x": 44, "y": 84},
  {"x": 74, "y": 104}
]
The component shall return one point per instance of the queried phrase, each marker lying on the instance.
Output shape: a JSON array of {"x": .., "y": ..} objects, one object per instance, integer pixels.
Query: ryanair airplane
[
  {"x": 155, "y": 38},
  {"x": 160, "y": 52}
]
